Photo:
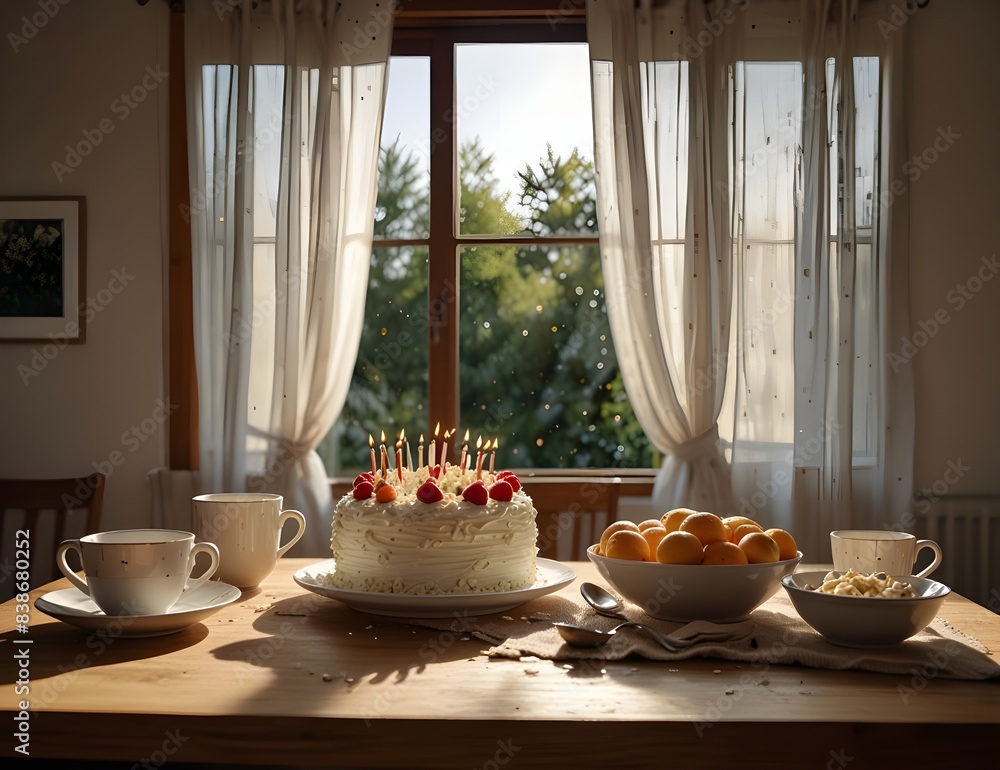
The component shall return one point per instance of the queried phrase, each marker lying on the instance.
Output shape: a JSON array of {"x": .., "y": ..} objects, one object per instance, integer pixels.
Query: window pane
[
  {"x": 866, "y": 99},
  {"x": 389, "y": 388},
  {"x": 865, "y": 353},
  {"x": 768, "y": 111},
  {"x": 507, "y": 118},
  {"x": 403, "y": 206},
  {"x": 538, "y": 367}
]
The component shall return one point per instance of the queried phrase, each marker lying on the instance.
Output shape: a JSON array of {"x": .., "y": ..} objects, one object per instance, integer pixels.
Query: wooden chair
[
  {"x": 572, "y": 512},
  {"x": 44, "y": 509}
]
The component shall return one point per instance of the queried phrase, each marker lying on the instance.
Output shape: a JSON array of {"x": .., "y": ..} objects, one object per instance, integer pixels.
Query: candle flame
[
  {"x": 371, "y": 441},
  {"x": 496, "y": 443},
  {"x": 399, "y": 443},
  {"x": 383, "y": 437},
  {"x": 421, "y": 438},
  {"x": 479, "y": 442},
  {"x": 402, "y": 434},
  {"x": 437, "y": 429},
  {"x": 466, "y": 439}
]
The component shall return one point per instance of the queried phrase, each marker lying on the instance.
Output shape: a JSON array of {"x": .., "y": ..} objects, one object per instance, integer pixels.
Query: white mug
[
  {"x": 875, "y": 550},
  {"x": 136, "y": 571},
  {"x": 246, "y": 526}
]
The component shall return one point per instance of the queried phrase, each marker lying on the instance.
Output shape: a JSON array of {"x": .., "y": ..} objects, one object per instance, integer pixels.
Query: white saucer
[
  {"x": 550, "y": 577},
  {"x": 71, "y": 605}
]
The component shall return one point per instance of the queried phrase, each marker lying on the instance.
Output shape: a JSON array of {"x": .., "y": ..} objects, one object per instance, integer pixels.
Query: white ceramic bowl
[
  {"x": 865, "y": 621},
  {"x": 686, "y": 592}
]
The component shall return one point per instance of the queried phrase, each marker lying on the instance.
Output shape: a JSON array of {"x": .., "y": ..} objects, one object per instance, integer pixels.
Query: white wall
[
  {"x": 954, "y": 83},
  {"x": 65, "y": 77}
]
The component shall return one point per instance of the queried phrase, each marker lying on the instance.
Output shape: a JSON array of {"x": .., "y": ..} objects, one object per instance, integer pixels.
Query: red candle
[
  {"x": 371, "y": 447},
  {"x": 382, "y": 441},
  {"x": 399, "y": 459}
]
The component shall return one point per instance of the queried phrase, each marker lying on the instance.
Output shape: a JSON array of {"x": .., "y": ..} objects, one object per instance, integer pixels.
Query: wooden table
[{"x": 309, "y": 681}]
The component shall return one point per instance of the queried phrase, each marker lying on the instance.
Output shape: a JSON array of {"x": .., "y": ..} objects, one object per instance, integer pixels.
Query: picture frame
[{"x": 43, "y": 287}]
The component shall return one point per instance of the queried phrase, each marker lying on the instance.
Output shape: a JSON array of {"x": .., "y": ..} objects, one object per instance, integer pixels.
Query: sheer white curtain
[
  {"x": 786, "y": 110},
  {"x": 666, "y": 226},
  {"x": 285, "y": 104}
]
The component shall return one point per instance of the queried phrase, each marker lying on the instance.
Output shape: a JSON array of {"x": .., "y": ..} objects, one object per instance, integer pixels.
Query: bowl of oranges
[{"x": 695, "y": 565}]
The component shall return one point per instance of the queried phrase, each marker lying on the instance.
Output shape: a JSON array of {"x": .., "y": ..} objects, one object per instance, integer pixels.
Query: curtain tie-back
[{"x": 701, "y": 446}]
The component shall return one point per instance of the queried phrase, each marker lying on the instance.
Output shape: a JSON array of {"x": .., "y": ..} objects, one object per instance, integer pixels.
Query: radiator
[{"x": 968, "y": 531}]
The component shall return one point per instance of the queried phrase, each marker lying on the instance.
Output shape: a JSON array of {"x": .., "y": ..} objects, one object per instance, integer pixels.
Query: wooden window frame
[{"x": 421, "y": 29}]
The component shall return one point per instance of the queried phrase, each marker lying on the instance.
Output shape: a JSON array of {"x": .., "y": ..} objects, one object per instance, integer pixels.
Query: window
[{"x": 486, "y": 206}]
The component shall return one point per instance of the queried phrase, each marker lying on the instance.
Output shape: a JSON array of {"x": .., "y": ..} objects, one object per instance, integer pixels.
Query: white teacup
[
  {"x": 246, "y": 526},
  {"x": 136, "y": 571},
  {"x": 875, "y": 550}
]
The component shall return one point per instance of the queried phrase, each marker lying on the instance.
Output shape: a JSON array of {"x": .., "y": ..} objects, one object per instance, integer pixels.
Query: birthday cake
[{"x": 434, "y": 530}]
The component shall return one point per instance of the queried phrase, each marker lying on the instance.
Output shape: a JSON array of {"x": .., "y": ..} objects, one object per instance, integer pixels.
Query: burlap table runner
[{"x": 777, "y": 636}]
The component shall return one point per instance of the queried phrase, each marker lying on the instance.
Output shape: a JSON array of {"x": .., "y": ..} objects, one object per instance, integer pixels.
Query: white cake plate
[{"x": 550, "y": 576}]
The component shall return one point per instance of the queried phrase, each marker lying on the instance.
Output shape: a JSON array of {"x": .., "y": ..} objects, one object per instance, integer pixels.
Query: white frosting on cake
[{"x": 450, "y": 546}]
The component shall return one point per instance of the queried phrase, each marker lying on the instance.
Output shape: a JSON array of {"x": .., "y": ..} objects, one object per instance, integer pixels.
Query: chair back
[
  {"x": 572, "y": 513},
  {"x": 38, "y": 514}
]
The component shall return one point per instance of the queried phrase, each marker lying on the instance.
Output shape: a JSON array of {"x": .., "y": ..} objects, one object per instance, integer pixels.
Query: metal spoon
[
  {"x": 602, "y": 600},
  {"x": 588, "y": 637}
]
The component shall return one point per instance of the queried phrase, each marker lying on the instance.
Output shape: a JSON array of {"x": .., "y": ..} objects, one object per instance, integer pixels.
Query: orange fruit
[
  {"x": 724, "y": 552},
  {"x": 644, "y": 525},
  {"x": 653, "y": 536},
  {"x": 707, "y": 527},
  {"x": 787, "y": 547},
  {"x": 759, "y": 548},
  {"x": 680, "y": 548},
  {"x": 729, "y": 532},
  {"x": 615, "y": 527},
  {"x": 735, "y": 521},
  {"x": 743, "y": 530},
  {"x": 671, "y": 520},
  {"x": 626, "y": 544}
]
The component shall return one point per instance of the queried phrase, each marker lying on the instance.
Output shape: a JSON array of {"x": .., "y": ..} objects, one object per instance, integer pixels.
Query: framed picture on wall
[{"x": 42, "y": 270}]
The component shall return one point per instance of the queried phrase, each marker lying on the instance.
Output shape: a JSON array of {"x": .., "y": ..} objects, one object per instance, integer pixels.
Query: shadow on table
[
  {"x": 59, "y": 648},
  {"x": 321, "y": 638}
]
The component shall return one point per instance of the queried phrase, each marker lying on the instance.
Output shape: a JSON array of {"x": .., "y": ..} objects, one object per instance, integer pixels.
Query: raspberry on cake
[{"x": 434, "y": 530}]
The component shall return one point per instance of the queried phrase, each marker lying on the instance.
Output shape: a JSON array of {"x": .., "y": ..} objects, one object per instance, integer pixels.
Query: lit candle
[
  {"x": 399, "y": 459},
  {"x": 409, "y": 457},
  {"x": 479, "y": 459},
  {"x": 493, "y": 453},
  {"x": 384, "y": 458},
  {"x": 444, "y": 450},
  {"x": 432, "y": 452},
  {"x": 420, "y": 452},
  {"x": 371, "y": 447},
  {"x": 465, "y": 449}
]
